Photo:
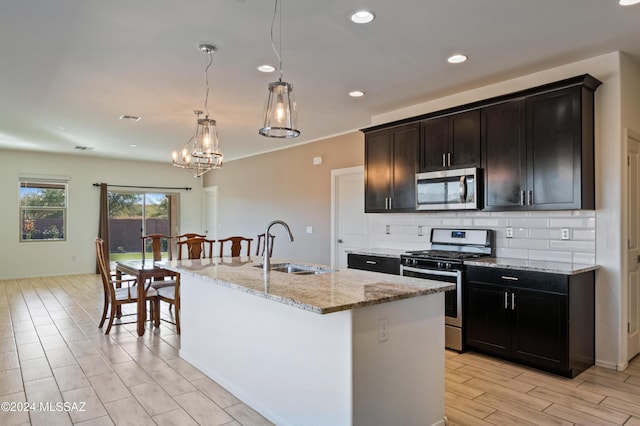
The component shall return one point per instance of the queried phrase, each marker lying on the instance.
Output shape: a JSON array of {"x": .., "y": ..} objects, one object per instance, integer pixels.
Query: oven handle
[
  {"x": 463, "y": 189},
  {"x": 431, "y": 271}
]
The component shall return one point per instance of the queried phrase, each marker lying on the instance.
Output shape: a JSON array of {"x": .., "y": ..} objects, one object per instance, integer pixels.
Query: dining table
[{"x": 143, "y": 270}]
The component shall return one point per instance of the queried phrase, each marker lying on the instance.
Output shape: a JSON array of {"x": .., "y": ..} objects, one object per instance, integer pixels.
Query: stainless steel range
[{"x": 444, "y": 262}]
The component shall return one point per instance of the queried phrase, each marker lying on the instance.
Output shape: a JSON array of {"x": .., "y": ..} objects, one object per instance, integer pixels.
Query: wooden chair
[
  {"x": 196, "y": 248},
  {"x": 156, "y": 245},
  {"x": 262, "y": 244},
  {"x": 171, "y": 295},
  {"x": 236, "y": 245},
  {"x": 189, "y": 235},
  {"x": 115, "y": 295}
]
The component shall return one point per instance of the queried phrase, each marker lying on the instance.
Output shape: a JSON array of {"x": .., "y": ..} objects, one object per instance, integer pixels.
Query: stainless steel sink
[{"x": 294, "y": 268}]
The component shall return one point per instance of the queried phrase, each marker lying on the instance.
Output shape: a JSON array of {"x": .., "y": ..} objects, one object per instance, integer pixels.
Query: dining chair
[
  {"x": 236, "y": 245},
  {"x": 189, "y": 235},
  {"x": 171, "y": 295},
  {"x": 196, "y": 248},
  {"x": 156, "y": 245},
  {"x": 262, "y": 244},
  {"x": 116, "y": 295}
]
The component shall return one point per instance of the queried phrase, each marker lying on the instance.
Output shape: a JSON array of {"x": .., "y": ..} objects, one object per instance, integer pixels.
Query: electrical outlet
[
  {"x": 565, "y": 234},
  {"x": 387, "y": 229},
  {"x": 420, "y": 231},
  {"x": 509, "y": 231},
  {"x": 383, "y": 330}
]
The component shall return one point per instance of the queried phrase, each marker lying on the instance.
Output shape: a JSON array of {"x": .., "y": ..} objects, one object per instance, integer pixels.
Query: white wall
[
  {"x": 610, "y": 343},
  {"x": 76, "y": 255}
]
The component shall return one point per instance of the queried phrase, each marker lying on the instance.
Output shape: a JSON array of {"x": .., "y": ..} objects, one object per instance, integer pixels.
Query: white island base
[{"x": 297, "y": 367}]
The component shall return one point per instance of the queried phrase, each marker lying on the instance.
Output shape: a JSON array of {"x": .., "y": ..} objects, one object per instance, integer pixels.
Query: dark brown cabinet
[
  {"x": 387, "y": 265},
  {"x": 390, "y": 168},
  {"x": 538, "y": 150},
  {"x": 450, "y": 142},
  {"x": 540, "y": 319}
]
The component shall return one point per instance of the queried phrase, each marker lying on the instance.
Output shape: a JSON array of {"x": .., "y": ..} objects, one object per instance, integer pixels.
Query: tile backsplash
[{"x": 536, "y": 235}]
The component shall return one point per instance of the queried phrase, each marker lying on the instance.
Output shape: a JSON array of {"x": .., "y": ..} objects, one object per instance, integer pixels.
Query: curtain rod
[{"x": 186, "y": 188}]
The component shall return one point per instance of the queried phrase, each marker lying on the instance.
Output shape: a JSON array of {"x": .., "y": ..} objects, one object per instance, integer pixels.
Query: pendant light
[
  {"x": 202, "y": 152},
  {"x": 280, "y": 115}
]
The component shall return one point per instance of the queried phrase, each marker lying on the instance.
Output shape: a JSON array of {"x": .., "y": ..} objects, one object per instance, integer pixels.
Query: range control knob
[
  {"x": 448, "y": 265},
  {"x": 441, "y": 265}
]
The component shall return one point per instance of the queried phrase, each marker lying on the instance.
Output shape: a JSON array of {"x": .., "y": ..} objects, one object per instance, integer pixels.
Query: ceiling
[{"x": 70, "y": 68}]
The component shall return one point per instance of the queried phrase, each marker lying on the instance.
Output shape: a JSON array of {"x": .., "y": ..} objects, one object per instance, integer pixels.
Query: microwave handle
[{"x": 463, "y": 189}]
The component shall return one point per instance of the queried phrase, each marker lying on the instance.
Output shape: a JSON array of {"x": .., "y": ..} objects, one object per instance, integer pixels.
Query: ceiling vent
[
  {"x": 84, "y": 148},
  {"x": 129, "y": 117}
]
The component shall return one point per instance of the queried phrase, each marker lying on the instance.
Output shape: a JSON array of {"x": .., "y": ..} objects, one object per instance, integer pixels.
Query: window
[
  {"x": 43, "y": 209},
  {"x": 132, "y": 215}
]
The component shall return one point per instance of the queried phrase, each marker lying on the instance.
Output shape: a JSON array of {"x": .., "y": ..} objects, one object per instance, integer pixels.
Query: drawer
[
  {"x": 543, "y": 281},
  {"x": 387, "y": 265}
]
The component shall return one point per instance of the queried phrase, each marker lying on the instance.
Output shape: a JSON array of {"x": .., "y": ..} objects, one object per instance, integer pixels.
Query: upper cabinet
[
  {"x": 450, "y": 142},
  {"x": 390, "y": 169},
  {"x": 538, "y": 150},
  {"x": 535, "y": 148}
]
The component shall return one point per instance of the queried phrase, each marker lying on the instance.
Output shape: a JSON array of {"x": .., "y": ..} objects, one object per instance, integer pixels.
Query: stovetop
[{"x": 444, "y": 255}]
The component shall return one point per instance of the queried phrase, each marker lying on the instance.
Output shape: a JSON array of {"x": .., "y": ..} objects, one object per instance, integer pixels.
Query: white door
[
  {"x": 349, "y": 223},
  {"x": 633, "y": 293},
  {"x": 211, "y": 212}
]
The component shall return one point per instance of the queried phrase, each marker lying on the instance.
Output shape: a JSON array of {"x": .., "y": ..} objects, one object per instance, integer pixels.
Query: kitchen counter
[
  {"x": 384, "y": 252},
  {"x": 533, "y": 265},
  {"x": 319, "y": 293},
  {"x": 375, "y": 356}
]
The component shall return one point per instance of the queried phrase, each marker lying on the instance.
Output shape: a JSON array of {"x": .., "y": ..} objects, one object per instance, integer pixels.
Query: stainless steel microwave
[{"x": 456, "y": 189}]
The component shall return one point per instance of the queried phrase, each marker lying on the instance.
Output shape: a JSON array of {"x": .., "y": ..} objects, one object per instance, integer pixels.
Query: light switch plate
[{"x": 565, "y": 234}]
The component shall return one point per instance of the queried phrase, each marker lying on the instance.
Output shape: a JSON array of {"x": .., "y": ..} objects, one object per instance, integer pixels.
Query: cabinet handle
[
  {"x": 371, "y": 262},
  {"x": 522, "y": 198},
  {"x": 448, "y": 159},
  {"x": 513, "y": 301},
  {"x": 504, "y": 277},
  {"x": 506, "y": 300},
  {"x": 443, "y": 162},
  {"x": 390, "y": 203},
  {"x": 530, "y": 198}
]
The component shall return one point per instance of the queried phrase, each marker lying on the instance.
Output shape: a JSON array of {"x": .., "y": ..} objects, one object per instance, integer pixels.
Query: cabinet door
[
  {"x": 487, "y": 318},
  {"x": 504, "y": 155},
  {"x": 540, "y": 328},
  {"x": 554, "y": 150},
  {"x": 464, "y": 141},
  {"x": 403, "y": 181},
  {"x": 377, "y": 176},
  {"x": 434, "y": 144}
]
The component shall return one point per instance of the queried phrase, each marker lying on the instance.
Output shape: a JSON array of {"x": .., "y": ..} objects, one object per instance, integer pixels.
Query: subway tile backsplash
[{"x": 536, "y": 235}]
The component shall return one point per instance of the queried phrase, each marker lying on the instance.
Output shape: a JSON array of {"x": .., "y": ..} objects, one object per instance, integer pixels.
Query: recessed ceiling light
[
  {"x": 133, "y": 145},
  {"x": 628, "y": 2},
  {"x": 458, "y": 58},
  {"x": 362, "y": 17},
  {"x": 266, "y": 68},
  {"x": 129, "y": 117},
  {"x": 356, "y": 93}
]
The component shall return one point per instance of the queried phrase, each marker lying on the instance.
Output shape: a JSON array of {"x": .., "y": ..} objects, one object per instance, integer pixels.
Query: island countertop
[{"x": 320, "y": 293}]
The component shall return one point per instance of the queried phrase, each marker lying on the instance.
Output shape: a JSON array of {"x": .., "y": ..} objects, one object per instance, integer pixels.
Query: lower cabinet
[
  {"x": 540, "y": 319},
  {"x": 387, "y": 265}
]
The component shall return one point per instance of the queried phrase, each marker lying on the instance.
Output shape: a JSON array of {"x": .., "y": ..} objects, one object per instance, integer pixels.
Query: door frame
[
  {"x": 335, "y": 174},
  {"x": 211, "y": 234}
]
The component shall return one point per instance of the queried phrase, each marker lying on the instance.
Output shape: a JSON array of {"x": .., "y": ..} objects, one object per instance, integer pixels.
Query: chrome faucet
[{"x": 266, "y": 260}]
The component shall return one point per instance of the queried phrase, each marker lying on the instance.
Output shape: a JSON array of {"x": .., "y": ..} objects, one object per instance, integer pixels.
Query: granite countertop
[
  {"x": 384, "y": 252},
  {"x": 564, "y": 268},
  {"x": 320, "y": 293}
]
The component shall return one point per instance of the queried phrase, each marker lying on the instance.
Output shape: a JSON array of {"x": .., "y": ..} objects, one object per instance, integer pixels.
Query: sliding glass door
[{"x": 132, "y": 215}]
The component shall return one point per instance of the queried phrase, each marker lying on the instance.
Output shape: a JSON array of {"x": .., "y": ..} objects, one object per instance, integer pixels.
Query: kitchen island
[{"x": 339, "y": 348}]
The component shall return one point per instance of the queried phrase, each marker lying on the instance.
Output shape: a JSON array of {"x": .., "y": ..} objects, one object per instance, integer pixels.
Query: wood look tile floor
[{"x": 51, "y": 350}]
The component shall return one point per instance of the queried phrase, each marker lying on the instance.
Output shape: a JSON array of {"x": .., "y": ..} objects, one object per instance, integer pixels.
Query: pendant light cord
[
  {"x": 273, "y": 45},
  {"x": 206, "y": 80}
]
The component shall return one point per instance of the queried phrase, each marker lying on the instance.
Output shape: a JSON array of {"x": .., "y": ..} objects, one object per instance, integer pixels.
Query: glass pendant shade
[
  {"x": 280, "y": 115},
  {"x": 202, "y": 152}
]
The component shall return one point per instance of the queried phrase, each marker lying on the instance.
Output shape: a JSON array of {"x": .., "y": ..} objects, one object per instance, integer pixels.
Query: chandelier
[
  {"x": 202, "y": 152},
  {"x": 280, "y": 115}
]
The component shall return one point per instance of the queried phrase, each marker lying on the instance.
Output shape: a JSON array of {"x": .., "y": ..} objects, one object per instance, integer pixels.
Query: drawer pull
[
  {"x": 371, "y": 262},
  {"x": 504, "y": 277}
]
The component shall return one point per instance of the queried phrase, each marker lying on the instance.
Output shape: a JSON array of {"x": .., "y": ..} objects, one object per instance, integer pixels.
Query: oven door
[{"x": 452, "y": 298}]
